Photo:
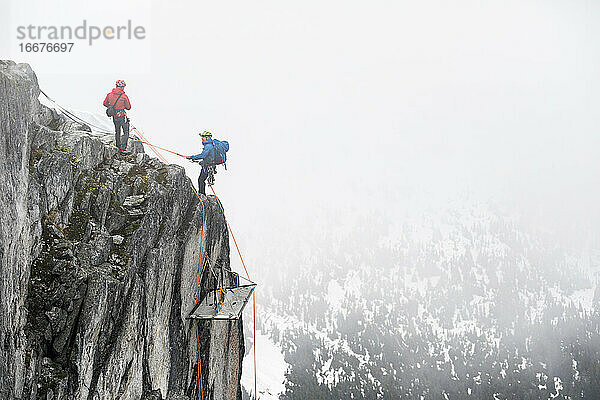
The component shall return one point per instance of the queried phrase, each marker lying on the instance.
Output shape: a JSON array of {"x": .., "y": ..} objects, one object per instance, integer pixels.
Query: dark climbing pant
[
  {"x": 202, "y": 179},
  {"x": 121, "y": 141}
]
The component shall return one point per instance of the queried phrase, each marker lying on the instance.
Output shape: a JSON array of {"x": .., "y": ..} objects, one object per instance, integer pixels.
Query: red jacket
[{"x": 123, "y": 103}]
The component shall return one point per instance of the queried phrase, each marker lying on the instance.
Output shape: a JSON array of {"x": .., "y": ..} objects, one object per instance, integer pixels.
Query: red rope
[
  {"x": 151, "y": 146},
  {"x": 232, "y": 235},
  {"x": 158, "y": 147}
]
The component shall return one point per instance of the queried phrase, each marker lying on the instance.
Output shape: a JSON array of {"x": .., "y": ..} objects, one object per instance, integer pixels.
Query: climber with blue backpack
[{"x": 214, "y": 153}]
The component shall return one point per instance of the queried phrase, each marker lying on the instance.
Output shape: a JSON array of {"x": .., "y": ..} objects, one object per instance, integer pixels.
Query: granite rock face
[{"x": 100, "y": 254}]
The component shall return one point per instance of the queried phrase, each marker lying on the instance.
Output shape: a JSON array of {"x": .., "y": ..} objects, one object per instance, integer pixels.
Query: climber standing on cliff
[
  {"x": 213, "y": 154},
  {"x": 116, "y": 102}
]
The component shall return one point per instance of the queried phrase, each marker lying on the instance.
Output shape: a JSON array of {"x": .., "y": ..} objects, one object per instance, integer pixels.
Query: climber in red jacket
[{"x": 118, "y": 100}]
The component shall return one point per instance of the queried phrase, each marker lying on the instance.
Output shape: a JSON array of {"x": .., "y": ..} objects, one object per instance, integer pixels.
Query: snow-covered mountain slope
[
  {"x": 100, "y": 124},
  {"x": 460, "y": 303},
  {"x": 271, "y": 368}
]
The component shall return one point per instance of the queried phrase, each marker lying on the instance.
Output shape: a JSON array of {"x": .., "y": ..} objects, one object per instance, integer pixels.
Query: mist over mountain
[{"x": 461, "y": 301}]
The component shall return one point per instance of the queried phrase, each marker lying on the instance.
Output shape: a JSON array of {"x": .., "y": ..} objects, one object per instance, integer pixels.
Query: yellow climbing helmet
[
  {"x": 121, "y": 83},
  {"x": 206, "y": 134}
]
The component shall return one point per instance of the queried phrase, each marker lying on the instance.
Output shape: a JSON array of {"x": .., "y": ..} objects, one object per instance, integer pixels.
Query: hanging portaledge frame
[{"x": 232, "y": 303}]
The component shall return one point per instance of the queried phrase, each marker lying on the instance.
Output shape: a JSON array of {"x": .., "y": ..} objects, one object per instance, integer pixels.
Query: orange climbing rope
[
  {"x": 253, "y": 292},
  {"x": 201, "y": 269},
  {"x": 152, "y": 147},
  {"x": 158, "y": 147}
]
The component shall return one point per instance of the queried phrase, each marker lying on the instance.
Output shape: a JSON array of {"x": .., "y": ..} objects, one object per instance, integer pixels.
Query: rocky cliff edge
[{"x": 99, "y": 258}]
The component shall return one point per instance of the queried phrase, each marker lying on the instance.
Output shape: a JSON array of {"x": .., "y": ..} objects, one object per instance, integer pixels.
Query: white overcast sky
[{"x": 362, "y": 102}]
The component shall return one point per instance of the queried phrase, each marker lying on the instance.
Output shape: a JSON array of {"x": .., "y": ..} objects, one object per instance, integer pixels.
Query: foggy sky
[{"x": 352, "y": 105}]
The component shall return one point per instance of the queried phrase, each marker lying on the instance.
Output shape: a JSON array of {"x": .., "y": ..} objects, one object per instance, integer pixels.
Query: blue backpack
[{"x": 221, "y": 147}]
